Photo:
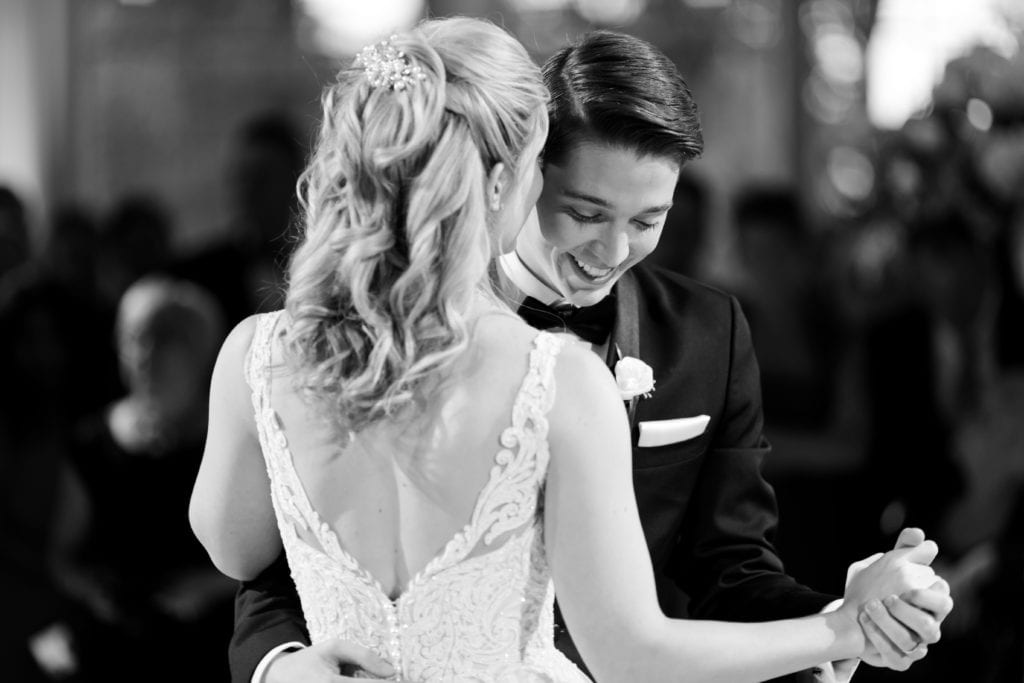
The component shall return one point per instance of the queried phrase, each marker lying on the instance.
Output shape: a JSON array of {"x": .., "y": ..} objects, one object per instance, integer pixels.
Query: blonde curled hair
[{"x": 395, "y": 240}]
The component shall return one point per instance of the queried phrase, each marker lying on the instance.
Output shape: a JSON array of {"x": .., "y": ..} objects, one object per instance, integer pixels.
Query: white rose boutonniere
[{"x": 634, "y": 378}]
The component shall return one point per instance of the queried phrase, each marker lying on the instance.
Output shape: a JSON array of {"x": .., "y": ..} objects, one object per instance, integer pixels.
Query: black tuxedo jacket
[{"x": 708, "y": 514}]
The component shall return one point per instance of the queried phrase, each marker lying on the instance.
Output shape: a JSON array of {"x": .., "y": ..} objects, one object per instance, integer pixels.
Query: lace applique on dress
[{"x": 479, "y": 611}]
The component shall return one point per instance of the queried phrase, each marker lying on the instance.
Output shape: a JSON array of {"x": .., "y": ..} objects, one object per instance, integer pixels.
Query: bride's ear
[{"x": 497, "y": 183}]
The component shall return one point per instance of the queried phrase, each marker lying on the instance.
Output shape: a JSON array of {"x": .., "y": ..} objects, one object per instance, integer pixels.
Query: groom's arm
[
  {"x": 725, "y": 559},
  {"x": 267, "y": 615}
]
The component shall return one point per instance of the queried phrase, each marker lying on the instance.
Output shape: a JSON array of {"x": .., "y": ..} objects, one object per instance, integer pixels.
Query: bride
[{"x": 434, "y": 468}]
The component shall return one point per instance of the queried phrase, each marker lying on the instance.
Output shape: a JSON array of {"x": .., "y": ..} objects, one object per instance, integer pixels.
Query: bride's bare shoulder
[
  {"x": 501, "y": 332},
  {"x": 586, "y": 397},
  {"x": 583, "y": 382},
  {"x": 581, "y": 372}
]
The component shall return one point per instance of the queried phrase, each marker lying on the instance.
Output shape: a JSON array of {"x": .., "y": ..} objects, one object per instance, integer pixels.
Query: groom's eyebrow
[
  {"x": 661, "y": 208},
  {"x": 573, "y": 194}
]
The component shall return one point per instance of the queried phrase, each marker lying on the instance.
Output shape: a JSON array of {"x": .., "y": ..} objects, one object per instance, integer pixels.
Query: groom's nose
[{"x": 614, "y": 246}]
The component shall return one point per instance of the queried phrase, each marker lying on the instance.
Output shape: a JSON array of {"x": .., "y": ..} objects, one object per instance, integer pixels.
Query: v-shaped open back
[{"x": 482, "y": 606}]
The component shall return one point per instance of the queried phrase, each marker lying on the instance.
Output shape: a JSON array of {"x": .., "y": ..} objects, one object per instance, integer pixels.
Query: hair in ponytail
[{"x": 395, "y": 240}]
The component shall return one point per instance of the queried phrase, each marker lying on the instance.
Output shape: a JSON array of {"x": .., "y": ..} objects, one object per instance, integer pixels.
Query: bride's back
[
  {"x": 425, "y": 166},
  {"x": 397, "y": 491}
]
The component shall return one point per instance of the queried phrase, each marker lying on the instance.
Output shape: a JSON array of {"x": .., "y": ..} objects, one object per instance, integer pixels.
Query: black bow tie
[{"x": 590, "y": 323}]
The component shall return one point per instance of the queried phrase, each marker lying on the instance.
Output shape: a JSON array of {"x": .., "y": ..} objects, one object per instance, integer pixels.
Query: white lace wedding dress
[{"x": 479, "y": 611}]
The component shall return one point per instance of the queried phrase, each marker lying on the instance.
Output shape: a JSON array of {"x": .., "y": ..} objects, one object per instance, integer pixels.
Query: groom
[{"x": 622, "y": 123}]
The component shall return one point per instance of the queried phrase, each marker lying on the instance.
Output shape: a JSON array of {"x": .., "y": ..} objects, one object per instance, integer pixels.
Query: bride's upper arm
[
  {"x": 231, "y": 512},
  {"x": 594, "y": 541}
]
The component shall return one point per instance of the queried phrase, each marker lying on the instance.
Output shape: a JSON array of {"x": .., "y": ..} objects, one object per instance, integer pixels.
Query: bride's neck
[{"x": 486, "y": 301}]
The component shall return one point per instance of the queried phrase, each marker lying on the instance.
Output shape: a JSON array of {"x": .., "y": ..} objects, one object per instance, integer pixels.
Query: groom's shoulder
[{"x": 666, "y": 292}]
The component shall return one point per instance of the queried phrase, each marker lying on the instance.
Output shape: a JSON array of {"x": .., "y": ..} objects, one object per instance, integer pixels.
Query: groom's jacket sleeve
[
  {"x": 267, "y": 614},
  {"x": 724, "y": 559}
]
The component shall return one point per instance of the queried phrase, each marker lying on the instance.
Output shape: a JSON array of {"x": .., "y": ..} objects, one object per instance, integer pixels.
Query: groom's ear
[{"x": 497, "y": 181}]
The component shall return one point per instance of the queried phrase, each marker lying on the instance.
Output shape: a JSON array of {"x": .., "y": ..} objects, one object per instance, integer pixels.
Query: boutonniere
[{"x": 634, "y": 378}]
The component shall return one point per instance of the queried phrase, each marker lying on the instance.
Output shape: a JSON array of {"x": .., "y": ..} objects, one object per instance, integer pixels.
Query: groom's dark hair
[{"x": 617, "y": 89}]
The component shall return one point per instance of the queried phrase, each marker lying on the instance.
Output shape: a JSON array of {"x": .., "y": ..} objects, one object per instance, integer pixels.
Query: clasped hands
[{"x": 898, "y": 602}]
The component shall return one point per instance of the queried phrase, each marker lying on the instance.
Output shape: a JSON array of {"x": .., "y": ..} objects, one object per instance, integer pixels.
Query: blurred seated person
[
  {"x": 141, "y": 574},
  {"x": 244, "y": 270}
]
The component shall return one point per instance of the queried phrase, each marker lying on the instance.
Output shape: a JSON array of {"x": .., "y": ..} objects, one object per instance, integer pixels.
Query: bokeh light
[
  {"x": 851, "y": 172},
  {"x": 979, "y": 114},
  {"x": 839, "y": 55},
  {"x": 611, "y": 12},
  {"x": 341, "y": 28},
  {"x": 756, "y": 23},
  {"x": 914, "y": 39}
]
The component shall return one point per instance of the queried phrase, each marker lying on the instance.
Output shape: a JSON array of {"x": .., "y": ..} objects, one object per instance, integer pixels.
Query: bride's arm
[
  {"x": 602, "y": 570},
  {"x": 231, "y": 512}
]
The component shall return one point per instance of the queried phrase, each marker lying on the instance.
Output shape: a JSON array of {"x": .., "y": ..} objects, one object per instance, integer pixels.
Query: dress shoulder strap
[
  {"x": 258, "y": 360},
  {"x": 292, "y": 506},
  {"x": 539, "y": 384},
  {"x": 510, "y": 498}
]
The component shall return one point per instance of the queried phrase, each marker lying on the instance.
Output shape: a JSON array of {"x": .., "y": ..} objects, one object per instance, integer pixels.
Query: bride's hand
[
  {"x": 900, "y": 634},
  {"x": 329, "y": 662},
  {"x": 892, "y": 573}
]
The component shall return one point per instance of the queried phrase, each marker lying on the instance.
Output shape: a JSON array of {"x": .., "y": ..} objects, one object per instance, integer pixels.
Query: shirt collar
[{"x": 528, "y": 283}]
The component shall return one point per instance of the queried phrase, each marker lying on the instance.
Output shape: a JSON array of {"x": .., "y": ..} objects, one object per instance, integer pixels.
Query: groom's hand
[
  {"x": 328, "y": 662},
  {"x": 900, "y": 628}
]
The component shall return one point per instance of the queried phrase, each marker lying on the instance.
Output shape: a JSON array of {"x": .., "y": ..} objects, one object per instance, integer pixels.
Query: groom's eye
[{"x": 582, "y": 217}]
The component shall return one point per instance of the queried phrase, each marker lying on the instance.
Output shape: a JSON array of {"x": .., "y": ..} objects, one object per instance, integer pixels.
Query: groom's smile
[
  {"x": 601, "y": 212},
  {"x": 595, "y": 273}
]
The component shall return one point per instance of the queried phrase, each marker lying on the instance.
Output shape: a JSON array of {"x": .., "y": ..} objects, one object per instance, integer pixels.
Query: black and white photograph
[{"x": 512, "y": 341}]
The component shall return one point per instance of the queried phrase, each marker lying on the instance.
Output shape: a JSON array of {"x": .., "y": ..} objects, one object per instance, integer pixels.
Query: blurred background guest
[{"x": 127, "y": 555}]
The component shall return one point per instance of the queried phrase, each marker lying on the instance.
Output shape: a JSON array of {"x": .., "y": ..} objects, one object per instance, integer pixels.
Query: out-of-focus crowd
[{"x": 109, "y": 338}]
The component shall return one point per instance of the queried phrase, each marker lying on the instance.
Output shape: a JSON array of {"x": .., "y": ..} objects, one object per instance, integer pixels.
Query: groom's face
[{"x": 600, "y": 213}]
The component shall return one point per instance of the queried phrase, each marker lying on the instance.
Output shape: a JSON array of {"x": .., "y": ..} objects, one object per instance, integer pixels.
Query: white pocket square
[{"x": 663, "y": 432}]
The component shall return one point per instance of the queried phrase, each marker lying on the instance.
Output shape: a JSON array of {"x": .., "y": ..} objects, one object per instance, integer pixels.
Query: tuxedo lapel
[
  {"x": 626, "y": 334},
  {"x": 625, "y": 340}
]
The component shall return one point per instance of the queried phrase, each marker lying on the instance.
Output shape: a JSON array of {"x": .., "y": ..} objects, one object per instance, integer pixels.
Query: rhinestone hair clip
[{"x": 388, "y": 67}]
